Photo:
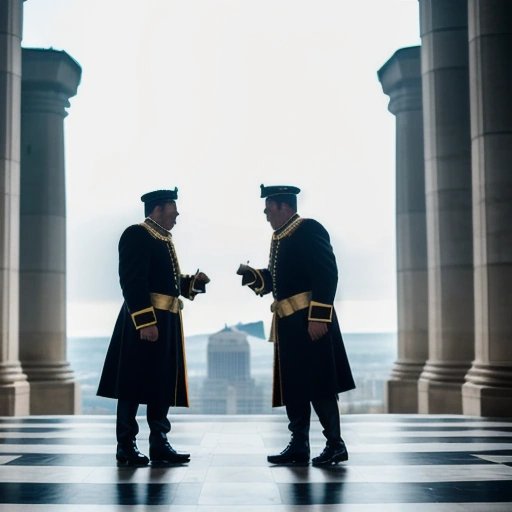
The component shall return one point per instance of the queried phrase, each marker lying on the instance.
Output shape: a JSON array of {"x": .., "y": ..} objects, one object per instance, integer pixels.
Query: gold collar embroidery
[
  {"x": 288, "y": 228},
  {"x": 156, "y": 231}
]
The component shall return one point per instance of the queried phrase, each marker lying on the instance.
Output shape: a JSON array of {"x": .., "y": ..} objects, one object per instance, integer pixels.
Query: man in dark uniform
[
  {"x": 310, "y": 362},
  {"x": 145, "y": 362}
]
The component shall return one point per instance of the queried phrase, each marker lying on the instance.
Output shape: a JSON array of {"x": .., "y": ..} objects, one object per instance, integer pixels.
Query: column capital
[
  {"x": 50, "y": 69},
  {"x": 49, "y": 78},
  {"x": 400, "y": 78}
]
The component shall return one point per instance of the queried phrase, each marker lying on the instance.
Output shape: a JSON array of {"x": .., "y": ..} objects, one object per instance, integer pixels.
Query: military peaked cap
[
  {"x": 160, "y": 195},
  {"x": 278, "y": 190}
]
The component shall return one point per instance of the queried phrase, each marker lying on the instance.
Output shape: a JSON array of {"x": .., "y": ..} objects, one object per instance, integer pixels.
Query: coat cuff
[
  {"x": 144, "y": 318},
  {"x": 197, "y": 286},
  {"x": 319, "y": 312},
  {"x": 253, "y": 278},
  {"x": 191, "y": 286}
]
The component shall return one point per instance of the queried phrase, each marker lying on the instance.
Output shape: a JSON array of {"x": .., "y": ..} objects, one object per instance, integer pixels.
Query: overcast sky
[{"x": 216, "y": 97}]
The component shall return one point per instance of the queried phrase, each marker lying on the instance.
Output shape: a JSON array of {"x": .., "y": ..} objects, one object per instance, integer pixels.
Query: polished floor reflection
[{"x": 399, "y": 463}]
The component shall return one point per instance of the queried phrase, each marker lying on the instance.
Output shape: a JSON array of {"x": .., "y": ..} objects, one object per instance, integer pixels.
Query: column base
[
  {"x": 53, "y": 388},
  {"x": 488, "y": 390},
  {"x": 14, "y": 391},
  {"x": 480, "y": 400},
  {"x": 402, "y": 396},
  {"x": 440, "y": 387},
  {"x": 402, "y": 386},
  {"x": 439, "y": 397},
  {"x": 54, "y": 397}
]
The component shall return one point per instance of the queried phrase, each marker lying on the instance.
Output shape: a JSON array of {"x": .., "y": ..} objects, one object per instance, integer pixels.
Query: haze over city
[{"x": 216, "y": 98}]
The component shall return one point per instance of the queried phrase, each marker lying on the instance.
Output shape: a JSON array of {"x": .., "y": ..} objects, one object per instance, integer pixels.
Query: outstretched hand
[
  {"x": 242, "y": 269},
  {"x": 201, "y": 276}
]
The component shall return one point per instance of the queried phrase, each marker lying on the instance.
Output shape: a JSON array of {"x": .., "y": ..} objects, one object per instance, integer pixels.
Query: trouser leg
[
  {"x": 297, "y": 451},
  {"x": 329, "y": 416},
  {"x": 159, "y": 425},
  {"x": 126, "y": 424},
  {"x": 299, "y": 416}
]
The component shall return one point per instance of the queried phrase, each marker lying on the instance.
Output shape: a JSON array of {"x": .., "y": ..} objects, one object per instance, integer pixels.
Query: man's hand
[
  {"x": 243, "y": 269},
  {"x": 149, "y": 333},
  {"x": 248, "y": 275},
  {"x": 201, "y": 276},
  {"x": 317, "y": 329}
]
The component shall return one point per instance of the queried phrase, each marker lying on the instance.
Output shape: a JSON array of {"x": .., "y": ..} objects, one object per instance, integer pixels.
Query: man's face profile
[
  {"x": 166, "y": 215},
  {"x": 276, "y": 213}
]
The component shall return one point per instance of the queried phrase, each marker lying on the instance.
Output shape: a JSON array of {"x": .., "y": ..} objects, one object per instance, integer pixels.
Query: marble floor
[{"x": 398, "y": 463}]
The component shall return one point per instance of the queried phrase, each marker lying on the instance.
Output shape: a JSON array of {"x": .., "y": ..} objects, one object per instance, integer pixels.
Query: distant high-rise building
[{"x": 229, "y": 388}]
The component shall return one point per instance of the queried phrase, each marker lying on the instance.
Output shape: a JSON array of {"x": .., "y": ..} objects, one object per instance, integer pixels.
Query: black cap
[
  {"x": 278, "y": 190},
  {"x": 160, "y": 195}
]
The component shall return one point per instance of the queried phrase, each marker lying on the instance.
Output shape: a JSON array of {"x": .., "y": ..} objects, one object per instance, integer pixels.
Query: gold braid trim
[
  {"x": 174, "y": 257},
  {"x": 287, "y": 229},
  {"x": 170, "y": 247},
  {"x": 155, "y": 233}
]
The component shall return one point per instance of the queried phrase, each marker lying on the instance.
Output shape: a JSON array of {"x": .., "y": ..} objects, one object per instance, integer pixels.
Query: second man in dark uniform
[{"x": 310, "y": 362}]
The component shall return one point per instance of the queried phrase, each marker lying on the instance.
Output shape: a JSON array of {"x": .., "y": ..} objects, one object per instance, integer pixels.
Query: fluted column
[
  {"x": 488, "y": 390},
  {"x": 14, "y": 389},
  {"x": 445, "y": 81},
  {"x": 49, "y": 78},
  {"x": 401, "y": 80}
]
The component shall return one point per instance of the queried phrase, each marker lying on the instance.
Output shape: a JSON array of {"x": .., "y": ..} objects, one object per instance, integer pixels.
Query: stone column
[
  {"x": 14, "y": 389},
  {"x": 401, "y": 80},
  {"x": 488, "y": 388},
  {"x": 445, "y": 81},
  {"x": 49, "y": 78}
]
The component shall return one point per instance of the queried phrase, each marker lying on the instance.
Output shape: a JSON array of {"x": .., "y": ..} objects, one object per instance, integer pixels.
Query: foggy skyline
[{"x": 216, "y": 98}]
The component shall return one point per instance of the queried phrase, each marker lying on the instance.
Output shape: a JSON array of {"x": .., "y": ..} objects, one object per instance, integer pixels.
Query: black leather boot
[
  {"x": 163, "y": 453},
  {"x": 332, "y": 454},
  {"x": 126, "y": 429},
  {"x": 128, "y": 455},
  {"x": 297, "y": 452},
  {"x": 160, "y": 451}
]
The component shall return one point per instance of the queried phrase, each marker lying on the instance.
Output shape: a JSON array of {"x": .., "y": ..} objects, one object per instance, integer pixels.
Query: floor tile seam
[
  {"x": 360, "y": 450},
  {"x": 447, "y": 484},
  {"x": 55, "y": 435},
  {"x": 437, "y": 433},
  {"x": 361, "y": 477},
  {"x": 204, "y": 428},
  {"x": 384, "y": 418},
  {"x": 387, "y": 507},
  {"x": 13, "y": 467},
  {"x": 317, "y": 440}
]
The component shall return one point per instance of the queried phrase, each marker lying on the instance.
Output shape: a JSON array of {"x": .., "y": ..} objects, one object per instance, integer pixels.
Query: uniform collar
[
  {"x": 157, "y": 227},
  {"x": 288, "y": 227}
]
